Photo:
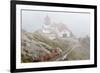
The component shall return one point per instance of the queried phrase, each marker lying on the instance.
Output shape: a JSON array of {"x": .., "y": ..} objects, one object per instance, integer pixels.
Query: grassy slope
[{"x": 40, "y": 40}]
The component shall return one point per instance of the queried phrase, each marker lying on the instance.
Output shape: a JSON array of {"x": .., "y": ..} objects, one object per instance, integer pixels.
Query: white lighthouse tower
[
  {"x": 48, "y": 29},
  {"x": 46, "y": 25},
  {"x": 55, "y": 30}
]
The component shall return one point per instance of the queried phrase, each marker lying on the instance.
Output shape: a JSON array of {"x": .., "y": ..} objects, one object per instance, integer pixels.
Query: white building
[{"x": 54, "y": 30}]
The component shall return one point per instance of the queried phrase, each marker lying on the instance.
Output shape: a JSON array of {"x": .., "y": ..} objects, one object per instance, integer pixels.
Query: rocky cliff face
[
  {"x": 37, "y": 47},
  {"x": 33, "y": 49}
]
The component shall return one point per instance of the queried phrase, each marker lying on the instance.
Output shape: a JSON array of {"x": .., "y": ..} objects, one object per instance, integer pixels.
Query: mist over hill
[
  {"x": 37, "y": 47},
  {"x": 54, "y": 41}
]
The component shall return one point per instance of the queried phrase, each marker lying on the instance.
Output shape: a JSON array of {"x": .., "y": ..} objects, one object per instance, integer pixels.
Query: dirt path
[{"x": 64, "y": 54}]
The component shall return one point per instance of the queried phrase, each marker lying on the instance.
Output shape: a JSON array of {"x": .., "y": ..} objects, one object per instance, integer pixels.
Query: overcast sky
[{"x": 78, "y": 23}]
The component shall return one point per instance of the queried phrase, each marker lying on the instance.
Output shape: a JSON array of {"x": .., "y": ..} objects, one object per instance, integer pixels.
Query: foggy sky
[{"x": 78, "y": 23}]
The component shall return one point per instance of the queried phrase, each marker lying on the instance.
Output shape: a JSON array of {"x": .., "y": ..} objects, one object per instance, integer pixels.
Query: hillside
[{"x": 37, "y": 47}]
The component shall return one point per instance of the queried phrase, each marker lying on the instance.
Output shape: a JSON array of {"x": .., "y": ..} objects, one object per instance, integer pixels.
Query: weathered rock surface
[{"x": 36, "y": 47}]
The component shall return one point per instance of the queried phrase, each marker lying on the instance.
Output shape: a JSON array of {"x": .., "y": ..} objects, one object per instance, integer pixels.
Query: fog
[{"x": 78, "y": 23}]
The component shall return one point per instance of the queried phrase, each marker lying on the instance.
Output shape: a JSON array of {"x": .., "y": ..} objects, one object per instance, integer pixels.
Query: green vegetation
[
  {"x": 38, "y": 47},
  {"x": 50, "y": 43}
]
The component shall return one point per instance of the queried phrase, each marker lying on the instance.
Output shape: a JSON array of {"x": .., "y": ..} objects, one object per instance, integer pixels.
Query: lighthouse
[{"x": 55, "y": 30}]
